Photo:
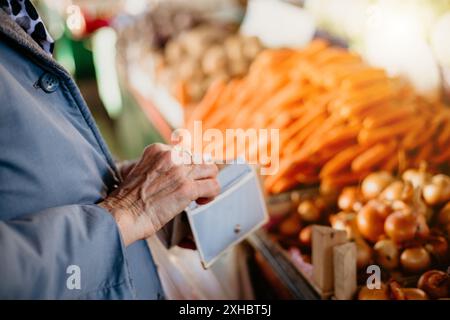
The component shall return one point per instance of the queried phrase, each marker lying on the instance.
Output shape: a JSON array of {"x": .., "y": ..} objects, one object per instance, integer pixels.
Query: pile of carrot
[{"x": 339, "y": 118}]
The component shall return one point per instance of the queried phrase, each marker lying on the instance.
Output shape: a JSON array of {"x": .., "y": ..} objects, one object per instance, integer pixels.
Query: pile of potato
[{"x": 196, "y": 58}]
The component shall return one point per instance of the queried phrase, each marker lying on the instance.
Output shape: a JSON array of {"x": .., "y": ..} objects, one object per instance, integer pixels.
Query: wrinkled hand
[
  {"x": 156, "y": 190},
  {"x": 125, "y": 167}
]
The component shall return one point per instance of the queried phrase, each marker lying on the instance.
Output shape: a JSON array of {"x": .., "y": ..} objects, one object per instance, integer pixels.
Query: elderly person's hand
[{"x": 156, "y": 189}]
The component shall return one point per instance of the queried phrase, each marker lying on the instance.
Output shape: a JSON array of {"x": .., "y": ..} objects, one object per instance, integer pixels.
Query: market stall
[
  {"x": 363, "y": 147},
  {"x": 358, "y": 93}
]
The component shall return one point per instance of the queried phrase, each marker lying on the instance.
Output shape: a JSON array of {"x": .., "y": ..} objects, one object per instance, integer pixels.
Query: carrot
[
  {"x": 362, "y": 78},
  {"x": 358, "y": 103},
  {"x": 306, "y": 178},
  {"x": 383, "y": 117},
  {"x": 371, "y": 157},
  {"x": 316, "y": 136},
  {"x": 343, "y": 179},
  {"x": 215, "y": 119},
  {"x": 444, "y": 136},
  {"x": 423, "y": 153},
  {"x": 208, "y": 102},
  {"x": 388, "y": 132},
  {"x": 302, "y": 136},
  {"x": 341, "y": 160},
  {"x": 442, "y": 157},
  {"x": 415, "y": 137},
  {"x": 298, "y": 125},
  {"x": 391, "y": 163},
  {"x": 283, "y": 184},
  {"x": 181, "y": 93},
  {"x": 336, "y": 136}
]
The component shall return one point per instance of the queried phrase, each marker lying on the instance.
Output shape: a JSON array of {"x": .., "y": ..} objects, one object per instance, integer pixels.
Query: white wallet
[{"x": 239, "y": 210}]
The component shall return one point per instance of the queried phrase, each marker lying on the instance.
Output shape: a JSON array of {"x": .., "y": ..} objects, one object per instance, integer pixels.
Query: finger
[
  {"x": 207, "y": 188},
  {"x": 203, "y": 171}
]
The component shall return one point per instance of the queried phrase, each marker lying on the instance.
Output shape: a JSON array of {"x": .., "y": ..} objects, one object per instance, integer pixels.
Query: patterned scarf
[{"x": 26, "y": 16}]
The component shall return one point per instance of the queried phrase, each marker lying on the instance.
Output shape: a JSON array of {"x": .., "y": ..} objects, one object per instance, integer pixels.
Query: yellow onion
[
  {"x": 397, "y": 190},
  {"x": 370, "y": 222},
  {"x": 401, "y": 226},
  {"x": 414, "y": 294},
  {"x": 415, "y": 260},
  {"x": 418, "y": 178},
  {"x": 386, "y": 254},
  {"x": 375, "y": 183},
  {"x": 444, "y": 215},
  {"x": 345, "y": 221},
  {"x": 438, "y": 190},
  {"x": 437, "y": 246},
  {"x": 350, "y": 199},
  {"x": 308, "y": 211},
  {"x": 364, "y": 253},
  {"x": 290, "y": 227},
  {"x": 374, "y": 294},
  {"x": 305, "y": 236}
]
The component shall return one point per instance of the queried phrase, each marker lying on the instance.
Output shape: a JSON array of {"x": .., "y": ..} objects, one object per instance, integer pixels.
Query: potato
[
  {"x": 173, "y": 52},
  {"x": 251, "y": 46},
  {"x": 233, "y": 48},
  {"x": 194, "y": 43},
  {"x": 215, "y": 60},
  {"x": 238, "y": 67},
  {"x": 195, "y": 90},
  {"x": 189, "y": 69}
]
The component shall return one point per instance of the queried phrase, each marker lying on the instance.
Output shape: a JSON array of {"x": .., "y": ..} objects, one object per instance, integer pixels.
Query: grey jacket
[{"x": 54, "y": 168}]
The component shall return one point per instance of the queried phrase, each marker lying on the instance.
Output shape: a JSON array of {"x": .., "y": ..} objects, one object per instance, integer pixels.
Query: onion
[
  {"x": 397, "y": 190},
  {"x": 364, "y": 253},
  {"x": 290, "y": 227},
  {"x": 396, "y": 290},
  {"x": 444, "y": 215},
  {"x": 400, "y": 205},
  {"x": 374, "y": 184},
  {"x": 422, "y": 229},
  {"x": 350, "y": 199},
  {"x": 308, "y": 211},
  {"x": 401, "y": 226},
  {"x": 435, "y": 283},
  {"x": 432, "y": 194},
  {"x": 374, "y": 294},
  {"x": 345, "y": 221},
  {"x": 386, "y": 254},
  {"x": 370, "y": 222},
  {"x": 437, "y": 246},
  {"x": 443, "y": 181},
  {"x": 438, "y": 191},
  {"x": 415, "y": 260},
  {"x": 414, "y": 294},
  {"x": 417, "y": 178},
  {"x": 305, "y": 236}
]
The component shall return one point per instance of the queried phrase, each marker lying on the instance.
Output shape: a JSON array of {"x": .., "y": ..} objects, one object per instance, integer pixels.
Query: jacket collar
[{"x": 23, "y": 41}]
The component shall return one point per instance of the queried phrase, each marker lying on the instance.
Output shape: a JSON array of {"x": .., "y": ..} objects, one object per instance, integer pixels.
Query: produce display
[
  {"x": 187, "y": 48},
  {"x": 339, "y": 118},
  {"x": 196, "y": 58},
  {"x": 364, "y": 130},
  {"x": 401, "y": 224}
]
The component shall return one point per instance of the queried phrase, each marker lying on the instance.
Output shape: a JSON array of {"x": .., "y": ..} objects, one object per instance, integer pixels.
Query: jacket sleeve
[{"x": 68, "y": 252}]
